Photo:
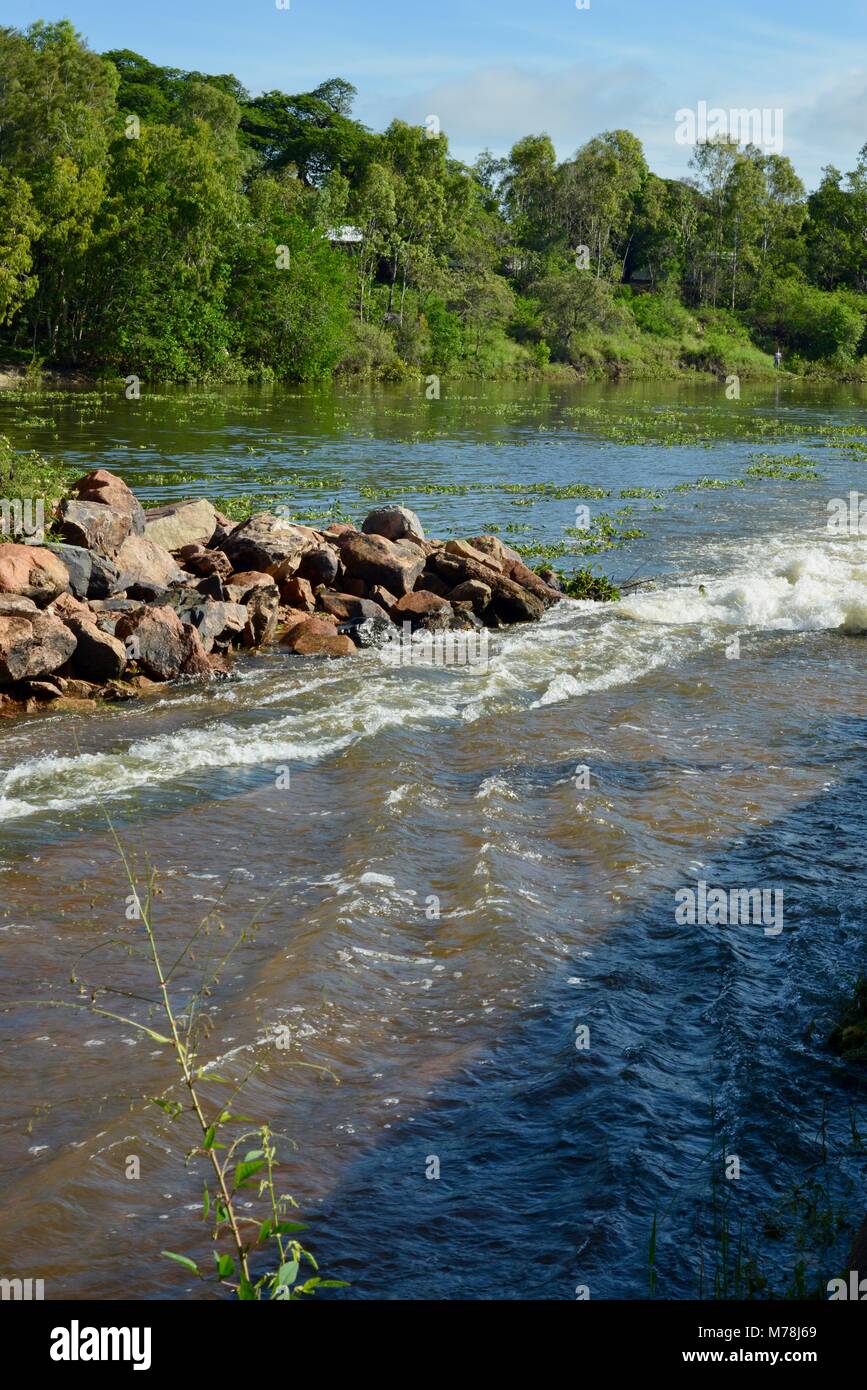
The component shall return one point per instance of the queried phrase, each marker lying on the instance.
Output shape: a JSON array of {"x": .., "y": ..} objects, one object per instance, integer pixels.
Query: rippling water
[{"x": 440, "y": 901}]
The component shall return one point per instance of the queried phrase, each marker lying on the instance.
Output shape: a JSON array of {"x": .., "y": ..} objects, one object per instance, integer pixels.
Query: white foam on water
[
  {"x": 781, "y": 585},
  {"x": 797, "y": 582}
]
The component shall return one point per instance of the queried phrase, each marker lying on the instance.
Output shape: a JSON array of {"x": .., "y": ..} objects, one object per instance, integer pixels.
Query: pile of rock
[{"x": 127, "y": 598}]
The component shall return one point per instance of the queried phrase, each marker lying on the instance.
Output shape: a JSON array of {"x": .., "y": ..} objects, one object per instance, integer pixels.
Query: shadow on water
[{"x": 552, "y": 1161}]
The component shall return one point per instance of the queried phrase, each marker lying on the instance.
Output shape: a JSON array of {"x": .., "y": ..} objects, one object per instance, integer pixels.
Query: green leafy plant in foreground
[
  {"x": 240, "y": 1154},
  {"x": 231, "y": 1173}
]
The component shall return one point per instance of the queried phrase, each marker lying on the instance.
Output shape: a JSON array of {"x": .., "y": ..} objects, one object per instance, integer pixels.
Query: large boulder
[
  {"x": 94, "y": 526},
  {"x": 16, "y": 606},
  {"x": 33, "y": 645},
  {"x": 529, "y": 579},
  {"x": 421, "y": 609},
  {"x": 347, "y": 608},
  {"x": 510, "y": 602},
  {"x": 111, "y": 491},
  {"x": 33, "y": 572},
  {"x": 90, "y": 575},
  {"x": 243, "y": 583},
  {"x": 142, "y": 562},
  {"x": 79, "y": 565},
  {"x": 218, "y": 624},
  {"x": 181, "y": 523},
  {"x": 206, "y": 563},
  {"x": 492, "y": 545},
  {"x": 262, "y": 605},
  {"x": 465, "y": 551},
  {"x": 161, "y": 644},
  {"x": 98, "y": 656},
  {"x": 265, "y": 539},
  {"x": 394, "y": 523},
  {"x": 396, "y": 565},
  {"x": 298, "y": 593},
  {"x": 320, "y": 566},
  {"x": 318, "y": 637}
]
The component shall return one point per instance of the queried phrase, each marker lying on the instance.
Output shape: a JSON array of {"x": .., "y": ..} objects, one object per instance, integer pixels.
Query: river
[{"x": 463, "y": 902}]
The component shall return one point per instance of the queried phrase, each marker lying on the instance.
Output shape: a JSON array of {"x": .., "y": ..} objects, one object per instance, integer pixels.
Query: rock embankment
[{"x": 124, "y": 599}]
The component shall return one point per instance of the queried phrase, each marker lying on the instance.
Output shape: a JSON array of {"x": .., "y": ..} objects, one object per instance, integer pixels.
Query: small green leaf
[
  {"x": 288, "y": 1273},
  {"x": 244, "y": 1171},
  {"x": 181, "y": 1260}
]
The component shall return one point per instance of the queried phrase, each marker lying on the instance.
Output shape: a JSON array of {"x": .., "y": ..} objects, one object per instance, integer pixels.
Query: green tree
[
  {"x": 290, "y": 292},
  {"x": 19, "y": 227}
]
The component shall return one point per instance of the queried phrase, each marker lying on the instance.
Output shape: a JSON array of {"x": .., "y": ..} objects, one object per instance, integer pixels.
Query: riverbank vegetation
[{"x": 167, "y": 225}]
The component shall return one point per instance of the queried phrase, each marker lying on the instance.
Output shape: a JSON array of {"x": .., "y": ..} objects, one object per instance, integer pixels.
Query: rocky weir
[{"x": 119, "y": 600}]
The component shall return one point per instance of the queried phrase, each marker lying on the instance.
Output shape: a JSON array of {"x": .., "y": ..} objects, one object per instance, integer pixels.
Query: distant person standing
[{"x": 778, "y": 358}]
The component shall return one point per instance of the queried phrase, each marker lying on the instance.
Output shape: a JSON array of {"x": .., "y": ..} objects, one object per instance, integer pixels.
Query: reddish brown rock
[
  {"x": 31, "y": 572},
  {"x": 324, "y": 627},
  {"x": 317, "y": 637},
  {"x": 243, "y": 582},
  {"x": 423, "y": 609},
  {"x": 528, "y": 579},
  {"x": 95, "y": 526},
  {"x": 297, "y": 593},
  {"x": 510, "y": 602},
  {"x": 68, "y": 607},
  {"x": 345, "y": 607},
  {"x": 98, "y": 656},
  {"x": 383, "y": 597},
  {"x": 262, "y": 605},
  {"x": 265, "y": 539},
  {"x": 203, "y": 562},
  {"x": 492, "y": 545},
  {"x": 33, "y": 645},
  {"x": 111, "y": 491},
  {"x": 465, "y": 551},
  {"x": 396, "y": 565},
  {"x": 161, "y": 644}
]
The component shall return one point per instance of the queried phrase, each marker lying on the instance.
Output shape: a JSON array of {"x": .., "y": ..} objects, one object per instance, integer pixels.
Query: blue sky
[{"x": 494, "y": 70}]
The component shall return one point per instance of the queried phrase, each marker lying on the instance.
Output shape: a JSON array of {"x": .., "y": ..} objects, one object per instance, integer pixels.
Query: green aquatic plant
[
  {"x": 733, "y": 1251},
  {"x": 786, "y": 467},
  {"x": 584, "y": 584}
]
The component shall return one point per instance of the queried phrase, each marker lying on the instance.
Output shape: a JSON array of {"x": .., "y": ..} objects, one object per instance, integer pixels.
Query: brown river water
[{"x": 438, "y": 900}]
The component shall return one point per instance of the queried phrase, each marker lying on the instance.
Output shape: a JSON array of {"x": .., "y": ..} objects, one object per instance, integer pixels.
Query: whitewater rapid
[{"x": 284, "y": 712}]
